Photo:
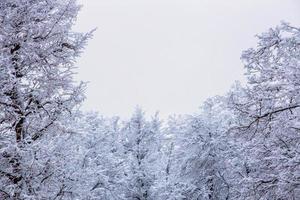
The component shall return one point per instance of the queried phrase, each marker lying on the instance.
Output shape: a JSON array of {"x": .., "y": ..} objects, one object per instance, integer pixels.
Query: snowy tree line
[{"x": 243, "y": 145}]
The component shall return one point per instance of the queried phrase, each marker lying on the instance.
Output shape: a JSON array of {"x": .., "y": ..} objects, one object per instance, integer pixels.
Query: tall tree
[
  {"x": 140, "y": 147},
  {"x": 268, "y": 110},
  {"x": 38, "y": 50}
]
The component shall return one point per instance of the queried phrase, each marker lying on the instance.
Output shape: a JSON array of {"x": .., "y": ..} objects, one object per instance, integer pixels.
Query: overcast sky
[{"x": 169, "y": 55}]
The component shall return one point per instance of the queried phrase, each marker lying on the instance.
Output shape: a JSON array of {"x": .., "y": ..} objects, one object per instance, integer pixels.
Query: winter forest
[{"x": 243, "y": 145}]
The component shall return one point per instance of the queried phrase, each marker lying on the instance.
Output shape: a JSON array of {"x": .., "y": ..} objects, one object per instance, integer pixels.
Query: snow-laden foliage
[
  {"x": 38, "y": 50},
  {"x": 268, "y": 116},
  {"x": 141, "y": 150},
  {"x": 243, "y": 145}
]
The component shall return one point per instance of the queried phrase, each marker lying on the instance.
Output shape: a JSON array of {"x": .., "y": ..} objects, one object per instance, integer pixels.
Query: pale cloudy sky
[{"x": 169, "y": 55}]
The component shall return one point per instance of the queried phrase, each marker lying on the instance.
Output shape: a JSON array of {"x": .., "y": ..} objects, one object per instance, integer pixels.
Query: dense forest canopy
[{"x": 243, "y": 145}]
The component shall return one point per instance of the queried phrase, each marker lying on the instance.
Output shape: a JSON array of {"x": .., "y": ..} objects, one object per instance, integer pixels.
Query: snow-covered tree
[
  {"x": 267, "y": 111},
  {"x": 98, "y": 157},
  {"x": 38, "y": 50},
  {"x": 200, "y": 154},
  {"x": 141, "y": 147}
]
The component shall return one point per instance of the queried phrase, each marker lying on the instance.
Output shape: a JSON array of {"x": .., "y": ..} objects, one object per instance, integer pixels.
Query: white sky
[{"x": 169, "y": 55}]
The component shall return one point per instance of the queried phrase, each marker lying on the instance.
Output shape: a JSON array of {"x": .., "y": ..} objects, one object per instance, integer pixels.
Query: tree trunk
[{"x": 19, "y": 125}]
